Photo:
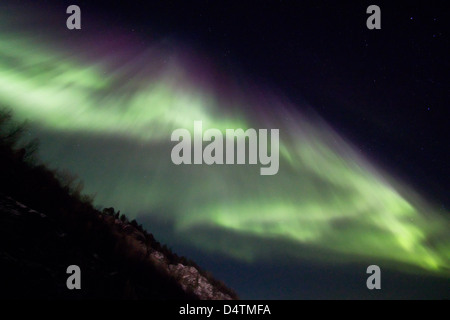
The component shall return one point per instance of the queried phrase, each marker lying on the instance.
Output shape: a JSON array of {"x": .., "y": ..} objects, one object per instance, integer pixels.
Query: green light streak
[{"x": 325, "y": 195}]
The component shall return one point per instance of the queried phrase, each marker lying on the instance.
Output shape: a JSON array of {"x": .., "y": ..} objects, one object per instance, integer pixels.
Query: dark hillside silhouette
[{"x": 47, "y": 224}]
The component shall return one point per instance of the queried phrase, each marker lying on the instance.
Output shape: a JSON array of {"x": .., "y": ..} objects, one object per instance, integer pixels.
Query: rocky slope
[{"x": 36, "y": 249}]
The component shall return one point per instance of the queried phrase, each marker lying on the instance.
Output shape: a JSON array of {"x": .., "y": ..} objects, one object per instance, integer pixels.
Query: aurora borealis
[{"x": 108, "y": 117}]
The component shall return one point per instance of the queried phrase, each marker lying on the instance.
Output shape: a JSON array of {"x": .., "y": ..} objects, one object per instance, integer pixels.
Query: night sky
[{"x": 362, "y": 114}]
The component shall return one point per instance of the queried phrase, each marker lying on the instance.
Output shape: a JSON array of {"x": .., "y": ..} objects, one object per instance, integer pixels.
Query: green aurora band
[{"x": 110, "y": 122}]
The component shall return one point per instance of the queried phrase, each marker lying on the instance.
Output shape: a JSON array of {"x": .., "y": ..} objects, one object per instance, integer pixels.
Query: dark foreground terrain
[{"x": 47, "y": 224}]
